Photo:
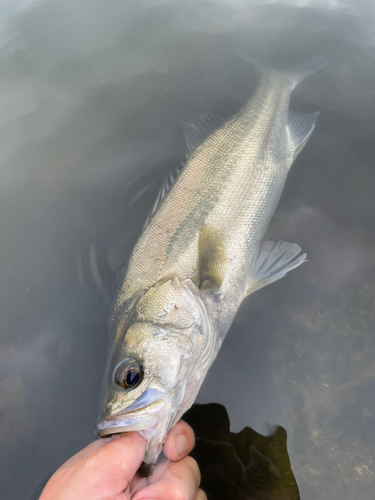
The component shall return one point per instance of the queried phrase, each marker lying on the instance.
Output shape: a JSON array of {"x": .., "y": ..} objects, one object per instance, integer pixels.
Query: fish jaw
[
  {"x": 151, "y": 422},
  {"x": 136, "y": 420},
  {"x": 175, "y": 357},
  {"x": 152, "y": 416}
]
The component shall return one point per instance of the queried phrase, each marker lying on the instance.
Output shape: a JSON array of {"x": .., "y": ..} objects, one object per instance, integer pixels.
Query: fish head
[{"x": 157, "y": 363}]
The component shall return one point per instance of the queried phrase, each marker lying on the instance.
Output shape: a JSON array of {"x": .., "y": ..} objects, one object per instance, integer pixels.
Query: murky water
[{"x": 90, "y": 96}]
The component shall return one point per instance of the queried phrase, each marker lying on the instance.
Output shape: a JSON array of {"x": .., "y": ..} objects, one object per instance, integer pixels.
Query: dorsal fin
[
  {"x": 196, "y": 131},
  {"x": 169, "y": 179},
  {"x": 94, "y": 272},
  {"x": 300, "y": 127}
]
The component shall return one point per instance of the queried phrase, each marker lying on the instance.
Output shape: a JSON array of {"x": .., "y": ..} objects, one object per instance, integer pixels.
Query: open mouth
[{"x": 133, "y": 418}]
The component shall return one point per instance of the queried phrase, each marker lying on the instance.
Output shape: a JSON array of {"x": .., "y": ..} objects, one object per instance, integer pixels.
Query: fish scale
[
  {"x": 199, "y": 255},
  {"x": 230, "y": 176}
]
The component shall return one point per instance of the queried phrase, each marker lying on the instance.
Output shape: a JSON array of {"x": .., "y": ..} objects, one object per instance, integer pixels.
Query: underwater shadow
[{"x": 244, "y": 465}]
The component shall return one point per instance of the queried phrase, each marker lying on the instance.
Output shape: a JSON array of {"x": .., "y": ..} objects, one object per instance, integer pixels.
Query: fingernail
[{"x": 181, "y": 444}]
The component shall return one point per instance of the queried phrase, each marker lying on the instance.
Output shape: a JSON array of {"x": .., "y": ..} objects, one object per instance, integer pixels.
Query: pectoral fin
[
  {"x": 212, "y": 258},
  {"x": 273, "y": 261}
]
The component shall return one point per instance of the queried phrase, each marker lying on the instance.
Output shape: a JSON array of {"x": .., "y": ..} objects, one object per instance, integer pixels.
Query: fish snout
[{"x": 144, "y": 413}]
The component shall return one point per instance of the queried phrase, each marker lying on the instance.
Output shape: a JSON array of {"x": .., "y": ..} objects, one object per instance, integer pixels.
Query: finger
[
  {"x": 181, "y": 485},
  {"x": 201, "y": 495},
  {"x": 187, "y": 471},
  {"x": 165, "y": 489},
  {"x": 107, "y": 470},
  {"x": 180, "y": 441},
  {"x": 116, "y": 463},
  {"x": 86, "y": 452}
]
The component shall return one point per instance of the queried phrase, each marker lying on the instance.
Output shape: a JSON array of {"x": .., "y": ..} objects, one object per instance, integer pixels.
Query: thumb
[
  {"x": 116, "y": 462},
  {"x": 98, "y": 470}
]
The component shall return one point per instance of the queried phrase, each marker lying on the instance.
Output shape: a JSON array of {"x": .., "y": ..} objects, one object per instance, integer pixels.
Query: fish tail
[
  {"x": 307, "y": 68},
  {"x": 294, "y": 74}
]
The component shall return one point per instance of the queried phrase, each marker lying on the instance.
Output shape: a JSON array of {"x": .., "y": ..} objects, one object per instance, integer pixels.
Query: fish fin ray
[
  {"x": 212, "y": 258},
  {"x": 300, "y": 127},
  {"x": 295, "y": 74},
  {"x": 170, "y": 178},
  {"x": 273, "y": 261},
  {"x": 196, "y": 131},
  {"x": 94, "y": 273},
  {"x": 307, "y": 68}
]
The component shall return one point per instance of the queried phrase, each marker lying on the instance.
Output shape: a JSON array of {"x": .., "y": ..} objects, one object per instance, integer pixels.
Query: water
[{"x": 91, "y": 94}]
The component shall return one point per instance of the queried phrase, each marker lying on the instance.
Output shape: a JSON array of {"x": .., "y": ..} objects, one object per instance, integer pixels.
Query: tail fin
[
  {"x": 297, "y": 73},
  {"x": 307, "y": 68}
]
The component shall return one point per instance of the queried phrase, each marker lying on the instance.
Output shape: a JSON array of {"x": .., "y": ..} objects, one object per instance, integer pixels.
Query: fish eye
[{"x": 129, "y": 374}]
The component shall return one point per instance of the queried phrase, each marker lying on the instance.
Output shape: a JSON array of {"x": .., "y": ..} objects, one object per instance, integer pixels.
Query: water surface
[{"x": 90, "y": 97}]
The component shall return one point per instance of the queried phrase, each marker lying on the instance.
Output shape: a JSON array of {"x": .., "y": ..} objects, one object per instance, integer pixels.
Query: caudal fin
[
  {"x": 295, "y": 73},
  {"x": 303, "y": 70}
]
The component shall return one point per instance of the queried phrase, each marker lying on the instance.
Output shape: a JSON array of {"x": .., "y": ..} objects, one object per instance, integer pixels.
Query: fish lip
[
  {"x": 130, "y": 420},
  {"x": 110, "y": 431}
]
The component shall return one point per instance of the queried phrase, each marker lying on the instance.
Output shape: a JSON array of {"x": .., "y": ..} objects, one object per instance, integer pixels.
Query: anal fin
[
  {"x": 273, "y": 261},
  {"x": 300, "y": 127}
]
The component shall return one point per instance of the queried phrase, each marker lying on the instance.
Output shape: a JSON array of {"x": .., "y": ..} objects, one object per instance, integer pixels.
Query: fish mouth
[{"x": 137, "y": 417}]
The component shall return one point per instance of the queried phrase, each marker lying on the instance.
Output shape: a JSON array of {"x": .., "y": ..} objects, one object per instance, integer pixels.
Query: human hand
[{"x": 107, "y": 470}]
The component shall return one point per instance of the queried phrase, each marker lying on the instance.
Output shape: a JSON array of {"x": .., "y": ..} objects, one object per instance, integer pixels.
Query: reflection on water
[
  {"x": 91, "y": 93},
  {"x": 244, "y": 465}
]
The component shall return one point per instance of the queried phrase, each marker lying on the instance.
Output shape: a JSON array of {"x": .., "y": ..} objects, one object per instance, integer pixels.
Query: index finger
[
  {"x": 180, "y": 441},
  {"x": 181, "y": 481}
]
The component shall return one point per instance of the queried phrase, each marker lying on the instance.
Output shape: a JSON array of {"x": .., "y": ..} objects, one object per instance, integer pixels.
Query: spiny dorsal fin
[
  {"x": 300, "y": 127},
  {"x": 94, "y": 272},
  {"x": 213, "y": 260},
  {"x": 169, "y": 179},
  {"x": 195, "y": 132},
  {"x": 273, "y": 261}
]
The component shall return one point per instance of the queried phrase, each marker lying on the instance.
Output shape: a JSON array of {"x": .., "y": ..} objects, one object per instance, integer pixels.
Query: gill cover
[{"x": 169, "y": 335}]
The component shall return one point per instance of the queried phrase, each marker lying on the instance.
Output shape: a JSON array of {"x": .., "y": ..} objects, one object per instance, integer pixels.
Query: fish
[{"x": 199, "y": 255}]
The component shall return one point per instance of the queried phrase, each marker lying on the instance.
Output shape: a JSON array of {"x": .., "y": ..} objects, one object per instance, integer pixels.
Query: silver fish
[{"x": 199, "y": 255}]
